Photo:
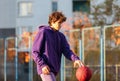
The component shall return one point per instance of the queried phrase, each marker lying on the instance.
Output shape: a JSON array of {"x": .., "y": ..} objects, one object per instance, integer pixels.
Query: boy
[{"x": 48, "y": 47}]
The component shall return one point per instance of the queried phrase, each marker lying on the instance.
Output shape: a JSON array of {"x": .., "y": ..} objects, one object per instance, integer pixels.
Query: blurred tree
[{"x": 105, "y": 13}]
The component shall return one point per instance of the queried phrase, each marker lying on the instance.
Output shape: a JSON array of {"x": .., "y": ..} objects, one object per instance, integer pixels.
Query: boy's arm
[
  {"x": 70, "y": 55},
  {"x": 38, "y": 48}
]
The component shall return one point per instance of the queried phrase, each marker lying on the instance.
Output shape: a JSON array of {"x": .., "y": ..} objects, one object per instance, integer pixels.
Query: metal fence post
[
  {"x": 62, "y": 72},
  {"x": 104, "y": 37},
  {"x": 80, "y": 49},
  {"x": 30, "y": 62},
  {"x": 102, "y": 54},
  {"x": 5, "y": 57},
  {"x": 16, "y": 59},
  {"x": 82, "y": 45},
  {"x": 116, "y": 72}
]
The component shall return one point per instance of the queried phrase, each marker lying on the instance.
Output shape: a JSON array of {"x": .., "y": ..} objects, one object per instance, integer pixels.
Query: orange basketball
[{"x": 83, "y": 73}]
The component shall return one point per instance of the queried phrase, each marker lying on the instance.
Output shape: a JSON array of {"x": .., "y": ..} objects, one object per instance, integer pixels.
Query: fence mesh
[{"x": 15, "y": 60}]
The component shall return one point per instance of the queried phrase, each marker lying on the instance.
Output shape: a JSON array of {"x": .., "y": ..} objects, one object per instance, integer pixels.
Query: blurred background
[{"x": 92, "y": 29}]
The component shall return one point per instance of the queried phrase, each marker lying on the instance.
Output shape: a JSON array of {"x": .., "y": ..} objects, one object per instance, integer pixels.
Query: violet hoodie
[{"x": 48, "y": 47}]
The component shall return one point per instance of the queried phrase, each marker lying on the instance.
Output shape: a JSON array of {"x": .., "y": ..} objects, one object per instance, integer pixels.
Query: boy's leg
[{"x": 50, "y": 77}]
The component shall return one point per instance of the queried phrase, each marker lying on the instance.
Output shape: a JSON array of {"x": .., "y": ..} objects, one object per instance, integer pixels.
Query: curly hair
[{"x": 55, "y": 16}]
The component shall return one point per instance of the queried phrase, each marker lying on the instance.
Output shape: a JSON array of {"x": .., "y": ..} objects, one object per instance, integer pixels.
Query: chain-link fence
[{"x": 97, "y": 47}]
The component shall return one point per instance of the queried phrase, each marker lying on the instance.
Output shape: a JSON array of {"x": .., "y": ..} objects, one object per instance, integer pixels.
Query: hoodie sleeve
[
  {"x": 68, "y": 53},
  {"x": 38, "y": 48}
]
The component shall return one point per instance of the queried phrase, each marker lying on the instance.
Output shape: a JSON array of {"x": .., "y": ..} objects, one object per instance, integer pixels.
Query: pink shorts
[{"x": 50, "y": 77}]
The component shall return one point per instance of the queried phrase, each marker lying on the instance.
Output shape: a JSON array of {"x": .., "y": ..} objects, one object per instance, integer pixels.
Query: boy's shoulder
[{"x": 44, "y": 27}]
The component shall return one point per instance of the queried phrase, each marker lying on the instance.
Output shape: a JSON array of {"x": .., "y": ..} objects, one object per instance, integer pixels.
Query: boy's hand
[
  {"x": 46, "y": 70},
  {"x": 78, "y": 63}
]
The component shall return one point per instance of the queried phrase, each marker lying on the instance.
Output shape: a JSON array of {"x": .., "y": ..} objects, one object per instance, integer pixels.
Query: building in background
[
  {"x": 26, "y": 15},
  {"x": 7, "y": 18}
]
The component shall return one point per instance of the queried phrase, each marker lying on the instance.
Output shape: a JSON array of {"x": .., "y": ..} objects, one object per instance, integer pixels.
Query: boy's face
[{"x": 56, "y": 25}]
